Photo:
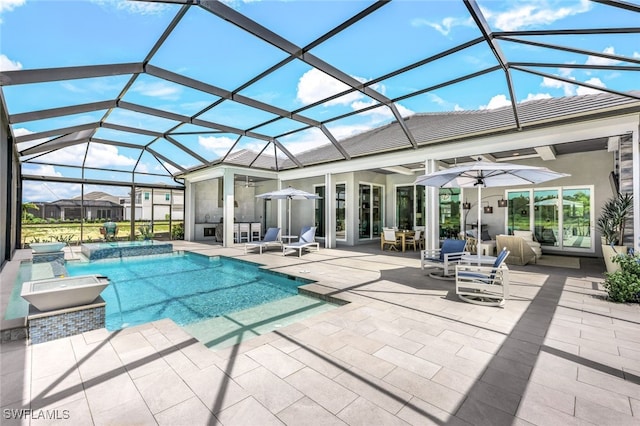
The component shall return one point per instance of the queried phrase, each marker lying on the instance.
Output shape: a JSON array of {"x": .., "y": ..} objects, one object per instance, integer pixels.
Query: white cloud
[
  {"x": 40, "y": 170},
  {"x": 446, "y": 105},
  {"x": 102, "y": 155},
  {"x": 568, "y": 88},
  {"x": 9, "y": 5},
  {"x": 315, "y": 85},
  {"x": 445, "y": 26},
  {"x": 536, "y": 96},
  {"x": 597, "y": 60},
  {"x": 498, "y": 101},
  {"x": 307, "y": 140},
  {"x": 636, "y": 55},
  {"x": 7, "y": 64},
  {"x": 581, "y": 90},
  {"x": 532, "y": 14},
  {"x": 219, "y": 145},
  {"x": 158, "y": 89},
  {"x": 136, "y": 7}
]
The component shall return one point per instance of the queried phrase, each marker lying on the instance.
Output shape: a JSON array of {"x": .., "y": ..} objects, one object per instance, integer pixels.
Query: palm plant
[{"x": 613, "y": 218}]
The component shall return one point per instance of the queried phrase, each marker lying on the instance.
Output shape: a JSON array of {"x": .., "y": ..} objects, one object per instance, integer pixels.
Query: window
[
  {"x": 146, "y": 195},
  {"x": 319, "y": 211},
  {"x": 167, "y": 197},
  {"x": 341, "y": 211},
  {"x": 560, "y": 217}
]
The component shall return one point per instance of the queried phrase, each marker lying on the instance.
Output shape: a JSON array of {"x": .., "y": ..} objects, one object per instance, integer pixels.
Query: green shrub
[
  {"x": 623, "y": 285},
  {"x": 177, "y": 231}
]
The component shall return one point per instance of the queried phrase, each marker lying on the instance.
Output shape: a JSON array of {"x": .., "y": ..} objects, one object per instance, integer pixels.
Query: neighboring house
[
  {"x": 95, "y": 205},
  {"x": 155, "y": 204}
]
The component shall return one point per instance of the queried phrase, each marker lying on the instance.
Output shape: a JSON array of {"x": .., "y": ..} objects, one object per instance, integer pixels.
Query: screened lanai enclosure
[{"x": 126, "y": 97}]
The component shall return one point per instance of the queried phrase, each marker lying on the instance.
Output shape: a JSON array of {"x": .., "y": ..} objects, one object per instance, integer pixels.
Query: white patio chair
[{"x": 484, "y": 285}]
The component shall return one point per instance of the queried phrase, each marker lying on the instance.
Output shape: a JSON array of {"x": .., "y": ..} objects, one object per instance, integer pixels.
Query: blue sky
[{"x": 51, "y": 34}]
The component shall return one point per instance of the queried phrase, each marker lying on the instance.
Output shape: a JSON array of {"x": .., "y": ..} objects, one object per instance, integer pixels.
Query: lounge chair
[
  {"x": 445, "y": 257},
  {"x": 484, "y": 285},
  {"x": 271, "y": 239},
  {"x": 307, "y": 240},
  {"x": 522, "y": 246}
]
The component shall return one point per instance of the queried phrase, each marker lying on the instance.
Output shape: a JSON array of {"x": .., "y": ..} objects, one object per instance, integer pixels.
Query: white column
[
  {"x": 189, "y": 212},
  {"x": 636, "y": 189},
  {"x": 329, "y": 211},
  {"x": 432, "y": 221},
  {"x": 228, "y": 199}
]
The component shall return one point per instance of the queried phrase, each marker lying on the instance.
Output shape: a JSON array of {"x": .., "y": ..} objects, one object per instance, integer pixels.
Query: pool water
[{"x": 185, "y": 287}]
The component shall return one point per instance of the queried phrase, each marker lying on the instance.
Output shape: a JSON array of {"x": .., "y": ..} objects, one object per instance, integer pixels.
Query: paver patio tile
[
  {"x": 312, "y": 338},
  {"x": 312, "y": 413},
  {"x": 432, "y": 343},
  {"x": 479, "y": 413},
  {"x": 379, "y": 392},
  {"x": 539, "y": 414},
  {"x": 53, "y": 357},
  {"x": 270, "y": 390},
  {"x": 363, "y": 412},
  {"x": 370, "y": 363},
  {"x": 72, "y": 412},
  {"x": 215, "y": 389},
  {"x": 425, "y": 389},
  {"x": 237, "y": 365},
  {"x": 326, "y": 392},
  {"x": 108, "y": 391},
  {"x": 189, "y": 412},
  {"x": 162, "y": 389},
  {"x": 609, "y": 382},
  {"x": 407, "y": 361},
  {"x": 323, "y": 363},
  {"x": 586, "y": 391},
  {"x": 600, "y": 415},
  {"x": 358, "y": 341},
  {"x": 59, "y": 388},
  {"x": 542, "y": 395},
  {"x": 134, "y": 411},
  {"x": 510, "y": 366},
  {"x": 398, "y": 342},
  {"x": 506, "y": 381},
  {"x": 274, "y": 360}
]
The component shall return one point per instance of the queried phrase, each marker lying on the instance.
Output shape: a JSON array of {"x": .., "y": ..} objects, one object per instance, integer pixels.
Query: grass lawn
[{"x": 70, "y": 232}]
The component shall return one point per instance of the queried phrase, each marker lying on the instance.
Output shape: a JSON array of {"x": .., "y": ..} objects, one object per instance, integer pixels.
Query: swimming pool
[{"x": 185, "y": 287}]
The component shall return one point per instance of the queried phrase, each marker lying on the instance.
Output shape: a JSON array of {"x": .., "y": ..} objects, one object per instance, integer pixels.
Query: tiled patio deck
[{"x": 404, "y": 351}]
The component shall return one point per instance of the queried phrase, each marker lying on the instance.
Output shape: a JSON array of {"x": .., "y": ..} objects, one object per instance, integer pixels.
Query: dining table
[{"x": 402, "y": 236}]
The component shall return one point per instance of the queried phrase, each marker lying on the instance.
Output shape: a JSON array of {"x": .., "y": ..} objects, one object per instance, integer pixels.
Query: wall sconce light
[
  {"x": 235, "y": 203},
  {"x": 503, "y": 203},
  {"x": 466, "y": 206}
]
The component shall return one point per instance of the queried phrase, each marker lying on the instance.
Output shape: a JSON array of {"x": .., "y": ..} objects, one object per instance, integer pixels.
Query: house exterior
[
  {"x": 94, "y": 205},
  {"x": 593, "y": 138},
  {"x": 154, "y": 204}
]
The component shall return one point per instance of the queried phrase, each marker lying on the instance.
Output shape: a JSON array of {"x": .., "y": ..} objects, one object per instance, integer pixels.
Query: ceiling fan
[{"x": 248, "y": 183}]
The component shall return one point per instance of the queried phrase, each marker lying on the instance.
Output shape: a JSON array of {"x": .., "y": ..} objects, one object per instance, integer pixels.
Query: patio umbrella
[
  {"x": 289, "y": 194},
  {"x": 486, "y": 174}
]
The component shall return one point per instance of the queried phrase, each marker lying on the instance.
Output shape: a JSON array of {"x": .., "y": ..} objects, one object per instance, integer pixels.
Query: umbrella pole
[
  {"x": 479, "y": 221},
  {"x": 289, "y": 215}
]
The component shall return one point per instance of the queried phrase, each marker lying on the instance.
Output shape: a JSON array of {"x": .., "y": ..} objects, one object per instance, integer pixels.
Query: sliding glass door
[
  {"x": 370, "y": 210},
  {"x": 561, "y": 218}
]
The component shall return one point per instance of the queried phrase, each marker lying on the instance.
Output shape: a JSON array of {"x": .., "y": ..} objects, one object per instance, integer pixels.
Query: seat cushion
[{"x": 525, "y": 235}]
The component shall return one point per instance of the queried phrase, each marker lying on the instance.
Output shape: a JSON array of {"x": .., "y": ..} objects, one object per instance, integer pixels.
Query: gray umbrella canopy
[
  {"x": 289, "y": 194},
  {"x": 486, "y": 174}
]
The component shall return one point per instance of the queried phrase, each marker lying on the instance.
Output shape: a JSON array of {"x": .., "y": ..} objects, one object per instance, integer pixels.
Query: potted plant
[
  {"x": 623, "y": 285},
  {"x": 612, "y": 224}
]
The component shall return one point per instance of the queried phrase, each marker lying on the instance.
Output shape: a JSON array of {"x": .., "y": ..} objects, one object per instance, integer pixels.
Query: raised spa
[
  {"x": 46, "y": 247},
  {"x": 60, "y": 293},
  {"x": 116, "y": 249}
]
